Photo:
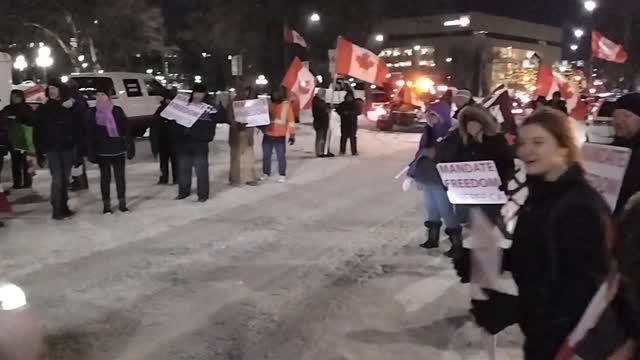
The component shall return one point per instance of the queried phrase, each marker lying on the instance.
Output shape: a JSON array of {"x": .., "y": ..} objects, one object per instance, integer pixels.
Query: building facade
[{"x": 470, "y": 50}]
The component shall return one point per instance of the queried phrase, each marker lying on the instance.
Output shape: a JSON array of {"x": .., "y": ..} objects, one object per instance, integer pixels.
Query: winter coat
[
  {"x": 349, "y": 111},
  {"x": 21, "y": 113},
  {"x": 631, "y": 181},
  {"x": 99, "y": 143},
  {"x": 19, "y": 116},
  {"x": 558, "y": 259},
  {"x": 202, "y": 131},
  {"x": 320, "y": 111},
  {"x": 160, "y": 132},
  {"x": 58, "y": 128}
]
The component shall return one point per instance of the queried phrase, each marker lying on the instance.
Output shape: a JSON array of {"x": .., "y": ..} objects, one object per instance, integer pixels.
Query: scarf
[{"x": 104, "y": 117}]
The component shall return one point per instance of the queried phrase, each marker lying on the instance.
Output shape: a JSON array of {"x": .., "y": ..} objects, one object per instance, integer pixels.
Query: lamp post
[
  {"x": 44, "y": 60},
  {"x": 315, "y": 17}
]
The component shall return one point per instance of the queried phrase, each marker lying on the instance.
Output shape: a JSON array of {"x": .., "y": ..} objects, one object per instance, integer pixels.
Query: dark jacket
[
  {"x": 423, "y": 167},
  {"x": 320, "y": 111},
  {"x": 57, "y": 128},
  {"x": 160, "y": 131},
  {"x": 493, "y": 147},
  {"x": 99, "y": 143},
  {"x": 349, "y": 112},
  {"x": 631, "y": 181},
  {"x": 21, "y": 113},
  {"x": 4, "y": 134},
  {"x": 202, "y": 131},
  {"x": 558, "y": 259},
  {"x": 628, "y": 253}
]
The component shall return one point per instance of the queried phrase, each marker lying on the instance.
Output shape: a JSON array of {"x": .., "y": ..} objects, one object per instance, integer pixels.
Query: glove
[
  {"x": 497, "y": 313},
  {"x": 292, "y": 140},
  {"x": 40, "y": 160}
]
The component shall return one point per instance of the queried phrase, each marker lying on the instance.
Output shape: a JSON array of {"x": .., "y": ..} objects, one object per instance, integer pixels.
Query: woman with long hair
[{"x": 561, "y": 248}]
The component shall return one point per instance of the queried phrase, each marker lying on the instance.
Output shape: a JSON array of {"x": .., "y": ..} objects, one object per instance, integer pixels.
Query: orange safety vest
[{"x": 282, "y": 120}]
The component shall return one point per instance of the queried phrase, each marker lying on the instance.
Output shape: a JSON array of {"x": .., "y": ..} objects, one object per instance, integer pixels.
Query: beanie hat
[
  {"x": 199, "y": 88},
  {"x": 105, "y": 89},
  {"x": 462, "y": 96},
  {"x": 629, "y": 102}
]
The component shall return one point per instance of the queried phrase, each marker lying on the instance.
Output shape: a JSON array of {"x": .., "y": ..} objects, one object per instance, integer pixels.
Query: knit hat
[
  {"x": 462, "y": 96},
  {"x": 105, "y": 89},
  {"x": 629, "y": 102},
  {"x": 199, "y": 88}
]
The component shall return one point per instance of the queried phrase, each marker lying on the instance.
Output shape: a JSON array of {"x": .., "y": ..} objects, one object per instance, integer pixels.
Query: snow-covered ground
[{"x": 324, "y": 267}]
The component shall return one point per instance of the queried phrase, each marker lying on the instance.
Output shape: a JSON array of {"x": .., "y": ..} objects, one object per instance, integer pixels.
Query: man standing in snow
[{"x": 275, "y": 135}]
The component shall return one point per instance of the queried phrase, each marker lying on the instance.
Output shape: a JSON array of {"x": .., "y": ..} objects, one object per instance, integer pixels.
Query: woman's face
[
  {"x": 474, "y": 128},
  {"x": 198, "y": 97},
  {"x": 540, "y": 151},
  {"x": 102, "y": 98}
]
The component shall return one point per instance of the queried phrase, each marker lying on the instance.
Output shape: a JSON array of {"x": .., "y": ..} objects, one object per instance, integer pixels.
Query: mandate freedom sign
[
  {"x": 183, "y": 112},
  {"x": 605, "y": 166},
  {"x": 473, "y": 182},
  {"x": 252, "y": 112}
]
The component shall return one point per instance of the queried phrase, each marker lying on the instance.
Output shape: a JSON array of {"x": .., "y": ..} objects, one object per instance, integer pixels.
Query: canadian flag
[
  {"x": 359, "y": 62},
  {"x": 603, "y": 48},
  {"x": 300, "y": 81},
  {"x": 550, "y": 81},
  {"x": 293, "y": 37}
]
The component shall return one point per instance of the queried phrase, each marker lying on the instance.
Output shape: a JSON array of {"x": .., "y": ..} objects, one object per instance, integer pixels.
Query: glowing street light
[
  {"x": 315, "y": 17},
  {"x": 262, "y": 80},
  {"x": 590, "y": 5},
  {"x": 64, "y": 79},
  {"x": 21, "y": 63},
  {"x": 197, "y": 79},
  {"x": 573, "y": 47},
  {"x": 85, "y": 65},
  {"x": 578, "y": 33},
  {"x": 44, "y": 60},
  {"x": 448, "y": 59},
  {"x": 149, "y": 71},
  {"x": 379, "y": 38}
]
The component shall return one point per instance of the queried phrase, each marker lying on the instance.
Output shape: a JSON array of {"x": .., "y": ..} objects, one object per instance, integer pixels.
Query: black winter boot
[
  {"x": 455, "y": 236},
  {"x": 122, "y": 205},
  {"x": 433, "y": 235}
]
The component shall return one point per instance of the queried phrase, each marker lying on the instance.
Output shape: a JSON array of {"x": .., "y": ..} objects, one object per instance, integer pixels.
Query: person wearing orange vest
[{"x": 275, "y": 135}]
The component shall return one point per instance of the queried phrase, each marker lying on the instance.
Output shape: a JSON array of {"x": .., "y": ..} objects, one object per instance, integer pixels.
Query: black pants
[
  {"x": 168, "y": 155},
  {"x": 106, "y": 163},
  {"x": 321, "y": 142},
  {"x": 349, "y": 131},
  {"x": 20, "y": 170},
  {"x": 192, "y": 155},
  {"x": 60, "y": 163}
]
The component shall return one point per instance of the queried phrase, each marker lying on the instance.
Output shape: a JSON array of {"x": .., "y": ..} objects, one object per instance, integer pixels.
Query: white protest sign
[
  {"x": 472, "y": 182},
  {"x": 252, "y": 112},
  {"x": 606, "y": 166},
  {"x": 183, "y": 112}
]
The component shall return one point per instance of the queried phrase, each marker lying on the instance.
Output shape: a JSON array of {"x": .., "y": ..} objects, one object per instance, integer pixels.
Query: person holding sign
[
  {"x": 275, "y": 135},
  {"x": 109, "y": 142},
  {"x": 242, "y": 163},
  {"x": 626, "y": 120},
  {"x": 560, "y": 255},
  {"x": 192, "y": 147}
]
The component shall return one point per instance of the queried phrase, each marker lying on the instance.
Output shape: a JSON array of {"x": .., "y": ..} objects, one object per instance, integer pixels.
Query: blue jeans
[
  {"x": 438, "y": 207},
  {"x": 280, "y": 145}
]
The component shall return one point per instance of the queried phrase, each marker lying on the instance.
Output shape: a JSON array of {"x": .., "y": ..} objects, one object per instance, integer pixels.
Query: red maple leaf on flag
[{"x": 364, "y": 61}]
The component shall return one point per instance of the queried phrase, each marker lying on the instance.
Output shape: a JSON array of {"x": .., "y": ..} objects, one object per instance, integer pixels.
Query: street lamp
[
  {"x": 448, "y": 59},
  {"x": 573, "y": 47},
  {"x": 590, "y": 5},
  {"x": 578, "y": 33},
  {"x": 44, "y": 60},
  {"x": 21, "y": 63},
  {"x": 379, "y": 38},
  {"x": 262, "y": 80},
  {"x": 81, "y": 58},
  {"x": 149, "y": 71},
  {"x": 315, "y": 17}
]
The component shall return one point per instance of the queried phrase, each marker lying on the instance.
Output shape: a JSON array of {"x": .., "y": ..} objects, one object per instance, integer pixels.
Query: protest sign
[
  {"x": 183, "y": 112},
  {"x": 252, "y": 112},
  {"x": 473, "y": 182},
  {"x": 605, "y": 166}
]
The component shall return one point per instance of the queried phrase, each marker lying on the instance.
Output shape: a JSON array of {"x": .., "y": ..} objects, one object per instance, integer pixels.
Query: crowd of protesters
[{"x": 567, "y": 241}]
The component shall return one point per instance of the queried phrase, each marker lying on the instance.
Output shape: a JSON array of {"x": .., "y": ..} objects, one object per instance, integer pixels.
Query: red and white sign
[
  {"x": 353, "y": 60},
  {"x": 550, "y": 81},
  {"x": 300, "y": 81},
  {"x": 472, "y": 182},
  {"x": 606, "y": 166},
  {"x": 293, "y": 37},
  {"x": 605, "y": 49}
]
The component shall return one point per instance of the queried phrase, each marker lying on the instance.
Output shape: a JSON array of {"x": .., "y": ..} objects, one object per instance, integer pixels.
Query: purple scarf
[{"x": 104, "y": 117}]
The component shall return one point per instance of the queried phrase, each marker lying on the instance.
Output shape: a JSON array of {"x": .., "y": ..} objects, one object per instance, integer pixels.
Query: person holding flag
[{"x": 561, "y": 255}]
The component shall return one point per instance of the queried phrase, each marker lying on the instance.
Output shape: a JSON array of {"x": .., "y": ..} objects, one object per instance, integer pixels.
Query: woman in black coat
[
  {"x": 109, "y": 141},
  {"x": 561, "y": 249}
]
